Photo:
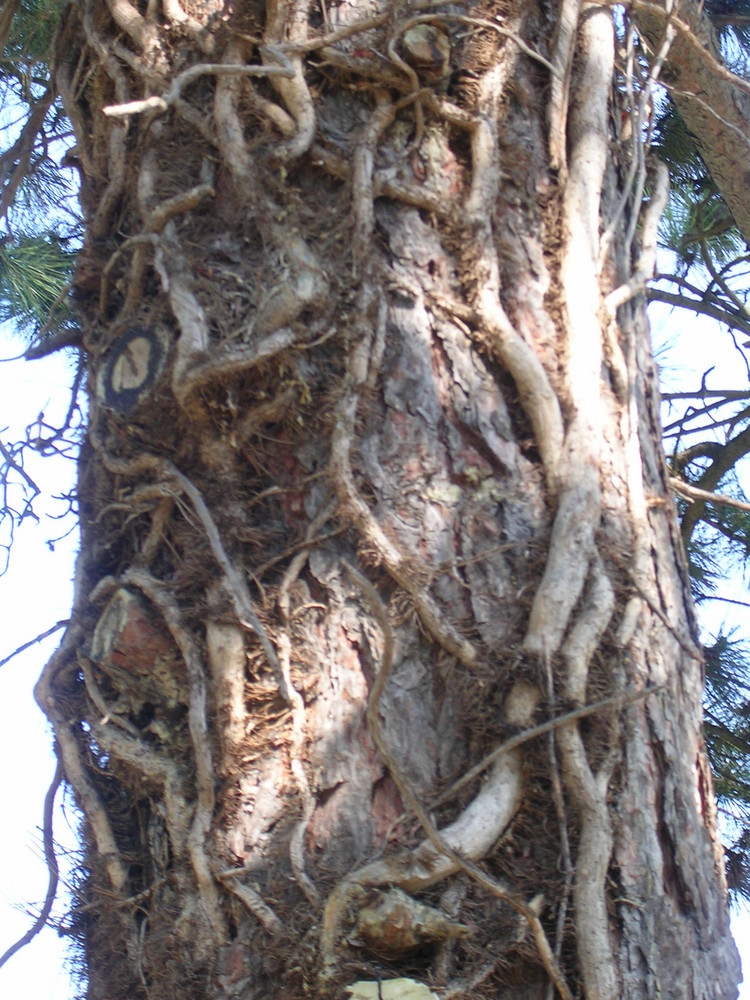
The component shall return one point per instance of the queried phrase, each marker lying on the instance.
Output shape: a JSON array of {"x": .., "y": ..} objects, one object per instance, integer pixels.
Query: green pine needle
[{"x": 33, "y": 271}]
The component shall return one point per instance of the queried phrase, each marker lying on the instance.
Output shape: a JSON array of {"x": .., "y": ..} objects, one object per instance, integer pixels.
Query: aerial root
[
  {"x": 287, "y": 26},
  {"x": 385, "y": 186},
  {"x": 453, "y": 849},
  {"x": 154, "y": 225},
  {"x": 644, "y": 270},
  {"x": 297, "y": 843},
  {"x": 585, "y": 635},
  {"x": 172, "y": 95},
  {"x": 205, "y": 775},
  {"x": 106, "y": 712},
  {"x": 128, "y": 19},
  {"x": 235, "y": 581},
  {"x": 619, "y": 700},
  {"x": 174, "y": 13},
  {"x": 538, "y": 399},
  {"x": 252, "y": 900},
  {"x": 562, "y": 61},
  {"x": 562, "y": 822},
  {"x": 570, "y": 551},
  {"x": 75, "y": 769},
  {"x": 170, "y": 477},
  {"x": 388, "y": 552},
  {"x": 156, "y": 768}
]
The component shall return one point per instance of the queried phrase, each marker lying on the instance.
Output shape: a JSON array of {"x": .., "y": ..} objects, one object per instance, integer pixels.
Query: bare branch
[
  {"x": 703, "y": 393},
  {"x": 49, "y": 856},
  {"x": 693, "y": 493},
  {"x": 14, "y": 162},
  {"x": 702, "y": 308},
  {"x": 728, "y": 456},
  {"x": 37, "y": 638}
]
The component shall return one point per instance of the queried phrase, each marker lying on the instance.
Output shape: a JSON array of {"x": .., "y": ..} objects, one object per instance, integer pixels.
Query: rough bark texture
[
  {"x": 373, "y": 484},
  {"x": 714, "y": 103}
]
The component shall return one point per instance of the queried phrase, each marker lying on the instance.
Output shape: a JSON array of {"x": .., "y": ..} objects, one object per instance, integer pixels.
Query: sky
[{"x": 36, "y": 593}]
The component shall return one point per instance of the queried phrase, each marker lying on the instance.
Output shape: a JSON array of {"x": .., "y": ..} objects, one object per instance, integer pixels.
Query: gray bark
[{"x": 395, "y": 496}]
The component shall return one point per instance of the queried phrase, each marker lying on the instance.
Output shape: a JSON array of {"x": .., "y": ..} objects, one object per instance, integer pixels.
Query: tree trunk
[{"x": 374, "y": 485}]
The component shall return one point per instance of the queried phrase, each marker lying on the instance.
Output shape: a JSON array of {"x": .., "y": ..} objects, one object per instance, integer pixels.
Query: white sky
[{"x": 36, "y": 593}]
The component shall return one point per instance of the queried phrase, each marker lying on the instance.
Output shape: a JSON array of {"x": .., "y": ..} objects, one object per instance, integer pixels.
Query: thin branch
[
  {"x": 15, "y": 162},
  {"x": 117, "y": 904},
  {"x": 702, "y": 449},
  {"x": 717, "y": 276},
  {"x": 702, "y": 308},
  {"x": 52, "y": 868},
  {"x": 721, "y": 732},
  {"x": 724, "y": 600},
  {"x": 729, "y": 454},
  {"x": 703, "y": 393},
  {"x": 694, "y": 493},
  {"x": 693, "y": 413},
  {"x": 42, "y": 635},
  {"x": 513, "y": 742},
  {"x": 12, "y": 464}
]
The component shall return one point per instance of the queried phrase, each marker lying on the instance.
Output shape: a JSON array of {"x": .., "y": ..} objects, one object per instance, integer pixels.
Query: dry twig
[{"x": 52, "y": 869}]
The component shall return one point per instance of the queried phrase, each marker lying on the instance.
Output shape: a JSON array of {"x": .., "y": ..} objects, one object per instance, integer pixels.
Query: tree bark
[
  {"x": 713, "y": 102},
  {"x": 373, "y": 489}
]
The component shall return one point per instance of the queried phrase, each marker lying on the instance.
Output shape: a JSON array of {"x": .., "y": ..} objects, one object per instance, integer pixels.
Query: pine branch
[{"x": 727, "y": 457}]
